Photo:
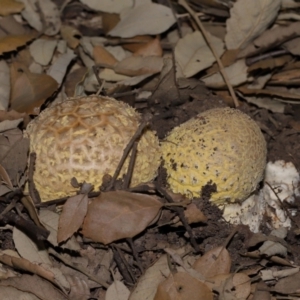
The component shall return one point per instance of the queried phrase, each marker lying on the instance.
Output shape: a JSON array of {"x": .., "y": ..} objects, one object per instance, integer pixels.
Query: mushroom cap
[
  {"x": 222, "y": 147},
  {"x": 84, "y": 137}
]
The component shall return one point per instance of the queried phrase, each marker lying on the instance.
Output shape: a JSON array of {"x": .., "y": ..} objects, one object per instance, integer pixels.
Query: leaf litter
[{"x": 144, "y": 243}]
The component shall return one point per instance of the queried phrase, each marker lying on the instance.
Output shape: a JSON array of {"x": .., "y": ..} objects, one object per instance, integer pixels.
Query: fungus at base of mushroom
[{"x": 284, "y": 179}]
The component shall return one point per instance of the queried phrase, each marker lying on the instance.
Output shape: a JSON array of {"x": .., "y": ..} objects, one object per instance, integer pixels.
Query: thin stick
[
  {"x": 130, "y": 167},
  {"x": 33, "y": 192},
  {"x": 143, "y": 125},
  {"x": 208, "y": 40}
]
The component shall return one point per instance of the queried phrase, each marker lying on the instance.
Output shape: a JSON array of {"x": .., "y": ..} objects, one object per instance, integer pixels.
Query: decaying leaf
[
  {"x": 288, "y": 285},
  {"x": 102, "y": 56},
  {"x": 119, "y": 214},
  {"x": 71, "y": 35},
  {"x": 4, "y": 85},
  {"x": 214, "y": 262},
  {"x": 182, "y": 286},
  {"x": 152, "y": 48},
  {"x": 193, "y": 54},
  {"x": 71, "y": 218},
  {"x": 248, "y": 19},
  {"x": 149, "y": 18}
]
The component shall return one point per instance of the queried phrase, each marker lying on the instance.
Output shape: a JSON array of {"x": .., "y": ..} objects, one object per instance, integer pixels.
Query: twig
[
  {"x": 179, "y": 211},
  {"x": 101, "y": 83},
  {"x": 135, "y": 255},
  {"x": 208, "y": 40},
  {"x": 122, "y": 264},
  {"x": 143, "y": 125},
  {"x": 33, "y": 192},
  {"x": 130, "y": 166}
]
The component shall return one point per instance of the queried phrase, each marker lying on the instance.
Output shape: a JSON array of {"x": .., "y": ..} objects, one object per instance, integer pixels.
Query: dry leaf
[
  {"x": 117, "y": 291},
  {"x": 214, "y": 262},
  {"x": 270, "y": 63},
  {"x": 34, "y": 251},
  {"x": 71, "y": 35},
  {"x": 138, "y": 65},
  {"x": 271, "y": 248},
  {"x": 236, "y": 286},
  {"x": 182, "y": 286},
  {"x": 119, "y": 214},
  {"x": 35, "y": 285},
  {"x": 72, "y": 216},
  {"x": 9, "y": 7},
  {"x": 13, "y": 42},
  {"x": 289, "y": 77},
  {"x": 248, "y": 19},
  {"x": 5, "y": 178},
  {"x": 42, "y": 50},
  {"x": 152, "y": 48},
  {"x": 236, "y": 73},
  {"x": 51, "y": 17},
  {"x": 194, "y": 214},
  {"x": 280, "y": 96},
  {"x": 109, "y": 6},
  {"x": 193, "y": 54},
  {"x": 271, "y": 38},
  {"x": 293, "y": 46},
  {"x": 148, "y": 282},
  {"x": 102, "y": 56},
  {"x": 288, "y": 285},
  {"x": 135, "y": 43},
  {"x": 145, "y": 19},
  {"x": 54, "y": 275},
  {"x": 30, "y": 90},
  {"x": 4, "y": 85}
]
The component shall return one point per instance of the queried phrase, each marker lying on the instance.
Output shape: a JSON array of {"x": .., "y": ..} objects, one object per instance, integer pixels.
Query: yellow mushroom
[
  {"x": 220, "y": 147},
  {"x": 85, "y": 137}
]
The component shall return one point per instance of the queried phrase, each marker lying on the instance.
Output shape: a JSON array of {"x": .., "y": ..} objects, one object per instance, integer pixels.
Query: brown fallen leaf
[
  {"x": 13, "y": 42},
  {"x": 214, "y": 262},
  {"x": 135, "y": 43},
  {"x": 138, "y": 65},
  {"x": 152, "y": 48},
  {"x": 102, "y": 56},
  {"x": 30, "y": 90},
  {"x": 9, "y": 7},
  {"x": 72, "y": 216},
  {"x": 10, "y": 115},
  {"x": 182, "y": 286},
  {"x": 193, "y": 215},
  {"x": 119, "y": 214}
]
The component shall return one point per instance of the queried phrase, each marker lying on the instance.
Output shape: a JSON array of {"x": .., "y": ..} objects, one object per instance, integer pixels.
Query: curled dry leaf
[
  {"x": 270, "y": 39},
  {"x": 182, "y": 286},
  {"x": 9, "y": 7},
  {"x": 248, "y": 19},
  {"x": 71, "y": 35},
  {"x": 119, "y": 214},
  {"x": 72, "y": 216},
  {"x": 148, "y": 18},
  {"x": 214, "y": 262}
]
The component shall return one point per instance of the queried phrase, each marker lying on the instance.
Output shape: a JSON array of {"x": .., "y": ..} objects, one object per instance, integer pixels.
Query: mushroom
[
  {"x": 84, "y": 137},
  {"x": 222, "y": 149}
]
